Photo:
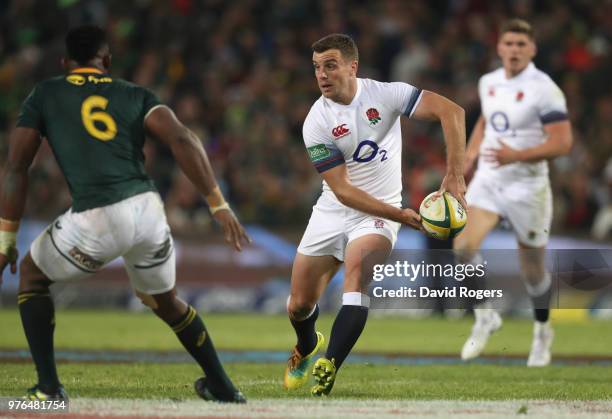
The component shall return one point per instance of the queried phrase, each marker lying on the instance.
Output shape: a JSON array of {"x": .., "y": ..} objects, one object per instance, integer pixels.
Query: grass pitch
[
  {"x": 118, "y": 330},
  {"x": 258, "y": 381},
  {"x": 475, "y": 390}
]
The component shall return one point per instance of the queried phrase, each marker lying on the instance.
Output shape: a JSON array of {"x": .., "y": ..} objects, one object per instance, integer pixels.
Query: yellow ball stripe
[{"x": 439, "y": 232}]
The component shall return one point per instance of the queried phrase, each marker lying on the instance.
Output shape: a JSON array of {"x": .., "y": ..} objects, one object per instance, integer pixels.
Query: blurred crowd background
[{"x": 239, "y": 74}]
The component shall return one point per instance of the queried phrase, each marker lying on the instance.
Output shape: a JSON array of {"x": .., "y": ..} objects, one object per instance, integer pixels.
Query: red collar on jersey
[{"x": 87, "y": 70}]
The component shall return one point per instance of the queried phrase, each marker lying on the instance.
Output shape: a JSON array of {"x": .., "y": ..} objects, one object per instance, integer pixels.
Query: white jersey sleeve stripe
[
  {"x": 155, "y": 107},
  {"x": 415, "y": 98}
]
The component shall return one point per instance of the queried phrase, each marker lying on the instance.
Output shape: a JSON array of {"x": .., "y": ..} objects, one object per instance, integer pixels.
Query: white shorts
[
  {"x": 332, "y": 226},
  {"x": 528, "y": 207},
  {"x": 77, "y": 245}
]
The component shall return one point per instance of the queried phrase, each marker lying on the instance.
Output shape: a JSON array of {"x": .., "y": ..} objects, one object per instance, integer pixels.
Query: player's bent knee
[
  {"x": 27, "y": 267},
  {"x": 31, "y": 277},
  {"x": 537, "y": 285},
  {"x": 169, "y": 307},
  {"x": 147, "y": 300},
  {"x": 299, "y": 308}
]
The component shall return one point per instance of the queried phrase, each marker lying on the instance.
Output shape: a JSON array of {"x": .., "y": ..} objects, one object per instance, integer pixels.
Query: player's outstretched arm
[
  {"x": 351, "y": 196},
  {"x": 452, "y": 118},
  {"x": 191, "y": 157},
  {"x": 558, "y": 143},
  {"x": 23, "y": 145}
]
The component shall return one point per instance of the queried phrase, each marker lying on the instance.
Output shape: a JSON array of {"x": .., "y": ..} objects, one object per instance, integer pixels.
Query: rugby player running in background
[{"x": 523, "y": 124}]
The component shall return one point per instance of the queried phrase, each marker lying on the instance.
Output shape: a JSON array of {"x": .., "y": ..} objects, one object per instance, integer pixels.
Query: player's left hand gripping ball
[{"x": 442, "y": 216}]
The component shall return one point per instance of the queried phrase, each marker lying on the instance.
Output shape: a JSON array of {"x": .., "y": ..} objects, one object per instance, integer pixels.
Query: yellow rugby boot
[
  {"x": 298, "y": 366},
  {"x": 325, "y": 374},
  {"x": 35, "y": 393}
]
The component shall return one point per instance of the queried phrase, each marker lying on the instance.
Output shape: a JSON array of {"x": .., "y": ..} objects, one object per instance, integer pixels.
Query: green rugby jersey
[{"x": 95, "y": 127}]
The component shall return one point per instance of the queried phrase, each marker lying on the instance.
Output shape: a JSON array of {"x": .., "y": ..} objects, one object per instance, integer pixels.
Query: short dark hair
[
  {"x": 84, "y": 42},
  {"x": 517, "y": 26},
  {"x": 339, "y": 41}
]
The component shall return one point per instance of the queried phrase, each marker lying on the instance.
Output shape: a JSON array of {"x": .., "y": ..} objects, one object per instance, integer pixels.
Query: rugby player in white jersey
[
  {"x": 523, "y": 124},
  {"x": 353, "y": 137}
]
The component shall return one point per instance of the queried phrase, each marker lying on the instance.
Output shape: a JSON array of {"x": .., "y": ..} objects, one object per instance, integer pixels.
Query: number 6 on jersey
[{"x": 90, "y": 116}]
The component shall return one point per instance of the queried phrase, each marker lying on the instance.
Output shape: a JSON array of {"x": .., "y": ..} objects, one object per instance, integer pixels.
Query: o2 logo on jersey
[
  {"x": 499, "y": 121},
  {"x": 367, "y": 150}
]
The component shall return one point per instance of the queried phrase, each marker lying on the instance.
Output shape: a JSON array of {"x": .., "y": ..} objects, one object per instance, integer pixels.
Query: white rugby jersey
[
  {"x": 515, "y": 111},
  {"x": 365, "y": 135}
]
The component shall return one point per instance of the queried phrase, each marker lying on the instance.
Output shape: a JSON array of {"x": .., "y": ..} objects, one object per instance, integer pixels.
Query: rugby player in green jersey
[{"x": 96, "y": 126}]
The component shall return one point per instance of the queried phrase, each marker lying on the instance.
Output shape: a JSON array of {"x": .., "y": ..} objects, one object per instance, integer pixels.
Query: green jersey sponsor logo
[
  {"x": 318, "y": 152},
  {"x": 76, "y": 79}
]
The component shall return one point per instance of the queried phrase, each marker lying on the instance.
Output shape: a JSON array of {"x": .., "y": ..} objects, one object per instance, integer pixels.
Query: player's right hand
[
  {"x": 8, "y": 259},
  {"x": 411, "y": 218},
  {"x": 232, "y": 229}
]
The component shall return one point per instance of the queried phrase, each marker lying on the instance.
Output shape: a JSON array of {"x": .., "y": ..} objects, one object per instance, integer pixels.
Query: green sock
[
  {"x": 38, "y": 319},
  {"x": 193, "y": 335}
]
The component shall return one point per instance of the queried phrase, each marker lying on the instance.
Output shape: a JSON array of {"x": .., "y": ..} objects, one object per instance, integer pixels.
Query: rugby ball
[{"x": 442, "y": 216}]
